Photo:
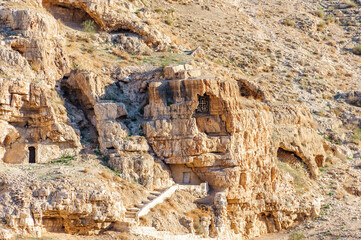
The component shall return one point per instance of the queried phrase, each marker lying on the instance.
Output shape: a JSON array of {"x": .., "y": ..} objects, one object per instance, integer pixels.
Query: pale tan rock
[
  {"x": 110, "y": 110},
  {"x": 228, "y": 142},
  {"x": 40, "y": 124},
  {"x": 41, "y": 44},
  {"x": 6, "y": 234},
  {"x": 114, "y": 15},
  {"x": 294, "y": 132}
]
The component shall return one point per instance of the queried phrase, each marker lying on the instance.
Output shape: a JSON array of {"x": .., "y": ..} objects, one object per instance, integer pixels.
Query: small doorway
[
  {"x": 186, "y": 177},
  {"x": 31, "y": 154}
]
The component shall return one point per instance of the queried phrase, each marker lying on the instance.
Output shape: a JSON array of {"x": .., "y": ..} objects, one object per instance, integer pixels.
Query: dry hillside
[{"x": 180, "y": 119}]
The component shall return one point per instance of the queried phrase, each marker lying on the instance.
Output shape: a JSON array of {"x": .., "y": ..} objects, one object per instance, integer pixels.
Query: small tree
[{"x": 89, "y": 26}]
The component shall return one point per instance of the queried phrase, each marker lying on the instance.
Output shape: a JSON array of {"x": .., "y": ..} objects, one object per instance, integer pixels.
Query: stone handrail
[{"x": 166, "y": 194}]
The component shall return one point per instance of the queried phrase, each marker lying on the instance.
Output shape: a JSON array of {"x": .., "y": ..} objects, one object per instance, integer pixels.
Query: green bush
[{"x": 89, "y": 26}]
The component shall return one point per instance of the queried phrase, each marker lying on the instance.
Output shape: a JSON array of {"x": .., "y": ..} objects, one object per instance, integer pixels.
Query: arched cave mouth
[
  {"x": 71, "y": 16},
  {"x": 291, "y": 158}
]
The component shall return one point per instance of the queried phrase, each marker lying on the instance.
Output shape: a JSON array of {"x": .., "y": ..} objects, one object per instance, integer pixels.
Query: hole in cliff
[
  {"x": 249, "y": 91},
  {"x": 53, "y": 224},
  {"x": 123, "y": 31},
  {"x": 289, "y": 157},
  {"x": 19, "y": 48},
  {"x": 71, "y": 16}
]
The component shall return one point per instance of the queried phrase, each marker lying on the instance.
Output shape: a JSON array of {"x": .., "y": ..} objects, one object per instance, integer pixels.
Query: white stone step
[
  {"x": 156, "y": 193},
  {"x": 134, "y": 209},
  {"x": 130, "y": 215}
]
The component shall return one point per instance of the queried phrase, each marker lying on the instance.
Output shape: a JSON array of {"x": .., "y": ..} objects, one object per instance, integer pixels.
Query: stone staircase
[{"x": 133, "y": 213}]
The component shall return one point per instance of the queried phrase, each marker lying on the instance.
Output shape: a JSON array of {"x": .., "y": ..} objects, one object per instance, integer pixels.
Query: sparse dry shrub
[
  {"x": 357, "y": 49},
  {"x": 106, "y": 175},
  {"x": 169, "y": 20},
  {"x": 89, "y": 26},
  {"x": 319, "y": 13},
  {"x": 356, "y": 138},
  {"x": 117, "y": 179},
  {"x": 330, "y": 19},
  {"x": 123, "y": 236},
  {"x": 35, "y": 65},
  {"x": 140, "y": 57},
  {"x": 332, "y": 43},
  {"x": 289, "y": 22},
  {"x": 159, "y": 10},
  {"x": 86, "y": 170},
  {"x": 122, "y": 54},
  {"x": 349, "y": 3},
  {"x": 197, "y": 215},
  {"x": 321, "y": 26},
  {"x": 60, "y": 24}
]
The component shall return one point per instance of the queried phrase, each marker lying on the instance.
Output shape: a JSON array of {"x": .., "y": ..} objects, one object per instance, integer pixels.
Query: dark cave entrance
[
  {"x": 32, "y": 155},
  {"x": 289, "y": 157},
  {"x": 71, "y": 16}
]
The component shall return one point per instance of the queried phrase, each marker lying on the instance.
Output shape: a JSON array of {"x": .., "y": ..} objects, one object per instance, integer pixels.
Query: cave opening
[
  {"x": 54, "y": 224},
  {"x": 32, "y": 155},
  {"x": 289, "y": 157},
  {"x": 71, "y": 16}
]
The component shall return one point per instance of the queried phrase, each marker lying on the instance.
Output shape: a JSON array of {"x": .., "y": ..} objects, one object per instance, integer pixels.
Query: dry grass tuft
[
  {"x": 350, "y": 3},
  {"x": 106, "y": 175},
  {"x": 122, "y": 54},
  {"x": 357, "y": 49}
]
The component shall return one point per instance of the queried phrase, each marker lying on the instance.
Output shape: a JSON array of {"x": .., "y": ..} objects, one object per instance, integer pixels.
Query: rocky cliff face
[
  {"x": 31, "y": 117},
  {"x": 227, "y": 140},
  {"x": 121, "y": 93}
]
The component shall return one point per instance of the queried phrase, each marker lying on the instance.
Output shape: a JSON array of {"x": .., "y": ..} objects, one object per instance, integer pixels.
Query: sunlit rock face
[{"x": 226, "y": 140}]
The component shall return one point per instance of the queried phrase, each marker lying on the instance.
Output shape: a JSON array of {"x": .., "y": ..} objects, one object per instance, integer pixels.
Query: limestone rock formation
[
  {"x": 294, "y": 131},
  {"x": 31, "y": 119},
  {"x": 70, "y": 206},
  {"x": 110, "y": 16},
  {"x": 36, "y": 36},
  {"x": 103, "y": 102},
  {"x": 226, "y": 140}
]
